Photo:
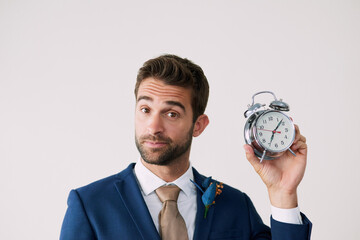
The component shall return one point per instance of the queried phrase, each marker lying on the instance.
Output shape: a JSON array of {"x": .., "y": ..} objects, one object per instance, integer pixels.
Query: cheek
[
  {"x": 139, "y": 125},
  {"x": 180, "y": 132}
]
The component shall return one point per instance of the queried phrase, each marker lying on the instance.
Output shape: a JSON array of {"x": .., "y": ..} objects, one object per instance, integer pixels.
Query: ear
[{"x": 200, "y": 125}]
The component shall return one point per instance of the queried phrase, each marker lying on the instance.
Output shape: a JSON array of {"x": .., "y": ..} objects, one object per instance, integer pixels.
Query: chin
[{"x": 157, "y": 161}]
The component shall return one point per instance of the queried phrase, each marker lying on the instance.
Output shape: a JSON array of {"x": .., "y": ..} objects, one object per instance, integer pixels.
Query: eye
[
  {"x": 172, "y": 114},
  {"x": 145, "y": 110}
]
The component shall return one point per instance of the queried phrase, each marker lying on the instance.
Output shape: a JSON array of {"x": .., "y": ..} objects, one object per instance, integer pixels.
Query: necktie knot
[{"x": 168, "y": 193}]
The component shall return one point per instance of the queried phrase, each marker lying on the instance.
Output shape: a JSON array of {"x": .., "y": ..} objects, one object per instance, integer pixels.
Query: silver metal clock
[{"x": 269, "y": 131}]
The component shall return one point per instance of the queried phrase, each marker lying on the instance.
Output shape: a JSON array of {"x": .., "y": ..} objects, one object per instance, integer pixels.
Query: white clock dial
[{"x": 274, "y": 131}]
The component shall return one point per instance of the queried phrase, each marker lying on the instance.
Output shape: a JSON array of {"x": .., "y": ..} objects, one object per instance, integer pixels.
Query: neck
[{"x": 170, "y": 172}]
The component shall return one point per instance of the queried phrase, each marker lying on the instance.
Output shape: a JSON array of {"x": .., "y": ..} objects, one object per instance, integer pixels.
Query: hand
[{"x": 282, "y": 175}]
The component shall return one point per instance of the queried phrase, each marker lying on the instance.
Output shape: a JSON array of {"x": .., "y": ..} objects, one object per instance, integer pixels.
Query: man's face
[{"x": 163, "y": 122}]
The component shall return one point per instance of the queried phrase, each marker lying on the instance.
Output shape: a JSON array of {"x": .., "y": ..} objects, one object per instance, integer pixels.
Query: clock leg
[
  {"x": 262, "y": 157},
  {"x": 292, "y": 152}
]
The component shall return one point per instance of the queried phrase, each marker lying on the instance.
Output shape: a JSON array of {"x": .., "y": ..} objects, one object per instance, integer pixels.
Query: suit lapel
[
  {"x": 130, "y": 194},
  {"x": 202, "y": 225}
]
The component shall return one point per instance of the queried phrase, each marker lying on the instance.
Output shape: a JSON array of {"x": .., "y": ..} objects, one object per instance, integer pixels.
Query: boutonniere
[{"x": 212, "y": 189}]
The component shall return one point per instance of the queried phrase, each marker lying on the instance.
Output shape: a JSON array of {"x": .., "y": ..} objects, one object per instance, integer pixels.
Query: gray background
[{"x": 67, "y": 73}]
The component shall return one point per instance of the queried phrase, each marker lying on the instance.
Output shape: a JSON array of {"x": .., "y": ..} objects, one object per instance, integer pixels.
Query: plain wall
[{"x": 67, "y": 74}]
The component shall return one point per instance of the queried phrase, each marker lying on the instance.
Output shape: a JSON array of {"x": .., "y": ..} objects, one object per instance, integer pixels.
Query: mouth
[{"x": 153, "y": 144}]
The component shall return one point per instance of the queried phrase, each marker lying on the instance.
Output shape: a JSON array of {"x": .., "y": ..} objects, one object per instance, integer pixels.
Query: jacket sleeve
[
  {"x": 76, "y": 225},
  {"x": 279, "y": 230}
]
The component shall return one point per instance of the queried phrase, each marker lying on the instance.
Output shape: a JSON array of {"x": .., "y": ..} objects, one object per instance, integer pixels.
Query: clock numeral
[
  {"x": 260, "y": 134},
  {"x": 286, "y": 129},
  {"x": 276, "y": 145},
  {"x": 263, "y": 140},
  {"x": 283, "y": 123},
  {"x": 285, "y": 137},
  {"x": 264, "y": 121},
  {"x": 282, "y": 142},
  {"x": 262, "y": 127},
  {"x": 271, "y": 118}
]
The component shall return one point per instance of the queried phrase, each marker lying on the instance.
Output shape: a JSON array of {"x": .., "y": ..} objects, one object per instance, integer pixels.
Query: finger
[
  {"x": 303, "y": 148},
  {"x": 300, "y": 147},
  {"x": 302, "y": 138},
  {"x": 250, "y": 155}
]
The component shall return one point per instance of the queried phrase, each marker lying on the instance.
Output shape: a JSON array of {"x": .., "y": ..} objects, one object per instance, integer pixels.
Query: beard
[{"x": 165, "y": 155}]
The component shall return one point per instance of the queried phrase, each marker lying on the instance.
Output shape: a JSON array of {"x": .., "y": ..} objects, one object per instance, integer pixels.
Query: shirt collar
[{"x": 149, "y": 182}]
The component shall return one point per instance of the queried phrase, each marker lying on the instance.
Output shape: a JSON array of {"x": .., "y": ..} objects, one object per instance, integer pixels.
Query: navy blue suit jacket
[{"x": 113, "y": 208}]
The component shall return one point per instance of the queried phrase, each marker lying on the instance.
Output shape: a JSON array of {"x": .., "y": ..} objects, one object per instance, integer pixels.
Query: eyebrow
[
  {"x": 144, "y": 98},
  {"x": 173, "y": 103}
]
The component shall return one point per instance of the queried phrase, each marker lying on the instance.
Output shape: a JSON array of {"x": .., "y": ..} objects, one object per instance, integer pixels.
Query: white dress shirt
[{"x": 149, "y": 182}]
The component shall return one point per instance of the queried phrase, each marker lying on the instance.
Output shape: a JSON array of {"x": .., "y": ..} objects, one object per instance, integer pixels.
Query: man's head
[
  {"x": 171, "y": 96},
  {"x": 176, "y": 71}
]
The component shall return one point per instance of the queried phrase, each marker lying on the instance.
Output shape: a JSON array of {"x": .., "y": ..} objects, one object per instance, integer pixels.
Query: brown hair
[{"x": 177, "y": 71}]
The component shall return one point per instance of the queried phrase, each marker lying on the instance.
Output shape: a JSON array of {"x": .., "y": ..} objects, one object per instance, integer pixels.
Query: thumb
[{"x": 250, "y": 155}]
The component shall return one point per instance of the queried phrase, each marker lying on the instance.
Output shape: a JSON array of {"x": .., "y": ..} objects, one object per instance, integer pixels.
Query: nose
[{"x": 155, "y": 124}]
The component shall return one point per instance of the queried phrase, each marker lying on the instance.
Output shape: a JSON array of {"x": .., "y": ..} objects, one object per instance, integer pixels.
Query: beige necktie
[{"x": 172, "y": 224}]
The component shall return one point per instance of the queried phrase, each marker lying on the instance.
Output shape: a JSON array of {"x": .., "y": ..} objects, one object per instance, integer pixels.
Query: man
[{"x": 171, "y": 96}]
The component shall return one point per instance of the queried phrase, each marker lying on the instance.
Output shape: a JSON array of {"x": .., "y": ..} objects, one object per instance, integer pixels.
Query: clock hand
[
  {"x": 271, "y": 139},
  {"x": 278, "y": 125},
  {"x": 272, "y": 136},
  {"x": 269, "y": 130}
]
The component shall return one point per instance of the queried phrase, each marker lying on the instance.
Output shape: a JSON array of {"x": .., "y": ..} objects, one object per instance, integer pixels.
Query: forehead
[{"x": 158, "y": 90}]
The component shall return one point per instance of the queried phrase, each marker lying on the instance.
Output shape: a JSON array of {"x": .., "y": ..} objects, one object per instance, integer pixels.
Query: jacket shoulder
[{"x": 105, "y": 184}]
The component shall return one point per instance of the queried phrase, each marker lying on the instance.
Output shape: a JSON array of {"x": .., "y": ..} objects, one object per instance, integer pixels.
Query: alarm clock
[{"x": 269, "y": 131}]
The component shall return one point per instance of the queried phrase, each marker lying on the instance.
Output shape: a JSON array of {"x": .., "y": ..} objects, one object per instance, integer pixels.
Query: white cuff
[{"x": 291, "y": 215}]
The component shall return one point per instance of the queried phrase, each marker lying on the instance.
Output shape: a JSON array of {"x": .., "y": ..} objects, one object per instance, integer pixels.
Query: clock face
[{"x": 274, "y": 131}]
